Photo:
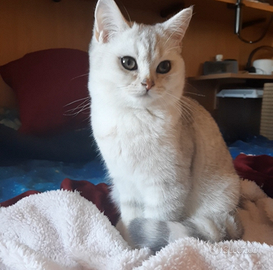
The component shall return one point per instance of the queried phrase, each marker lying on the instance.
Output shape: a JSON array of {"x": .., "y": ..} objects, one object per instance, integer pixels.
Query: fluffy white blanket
[{"x": 62, "y": 230}]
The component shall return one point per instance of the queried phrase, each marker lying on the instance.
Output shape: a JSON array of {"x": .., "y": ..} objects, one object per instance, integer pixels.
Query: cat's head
[{"x": 138, "y": 65}]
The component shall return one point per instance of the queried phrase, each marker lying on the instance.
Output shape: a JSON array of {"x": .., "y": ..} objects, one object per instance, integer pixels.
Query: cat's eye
[
  {"x": 129, "y": 63},
  {"x": 164, "y": 67}
]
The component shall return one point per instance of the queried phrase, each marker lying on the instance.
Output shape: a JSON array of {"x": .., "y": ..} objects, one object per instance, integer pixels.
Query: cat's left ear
[
  {"x": 178, "y": 24},
  {"x": 108, "y": 21}
]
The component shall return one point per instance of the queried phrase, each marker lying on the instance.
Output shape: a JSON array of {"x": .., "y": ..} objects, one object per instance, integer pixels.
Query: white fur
[
  {"x": 167, "y": 161},
  {"x": 177, "y": 231}
]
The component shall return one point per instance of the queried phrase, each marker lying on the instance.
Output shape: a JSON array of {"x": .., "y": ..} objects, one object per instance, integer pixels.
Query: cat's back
[
  {"x": 210, "y": 147},
  {"x": 213, "y": 172}
]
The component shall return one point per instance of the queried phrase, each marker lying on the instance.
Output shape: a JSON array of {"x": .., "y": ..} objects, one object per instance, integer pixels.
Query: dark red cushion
[
  {"x": 51, "y": 88},
  {"x": 258, "y": 169},
  {"x": 98, "y": 194}
]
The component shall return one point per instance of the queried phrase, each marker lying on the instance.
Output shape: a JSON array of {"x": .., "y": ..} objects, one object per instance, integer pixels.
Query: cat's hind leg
[{"x": 217, "y": 227}]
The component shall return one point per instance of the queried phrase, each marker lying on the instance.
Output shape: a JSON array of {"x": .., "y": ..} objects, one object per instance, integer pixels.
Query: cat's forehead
[
  {"x": 144, "y": 41},
  {"x": 147, "y": 43}
]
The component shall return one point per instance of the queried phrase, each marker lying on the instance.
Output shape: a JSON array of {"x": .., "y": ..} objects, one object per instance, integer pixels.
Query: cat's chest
[{"x": 131, "y": 138}]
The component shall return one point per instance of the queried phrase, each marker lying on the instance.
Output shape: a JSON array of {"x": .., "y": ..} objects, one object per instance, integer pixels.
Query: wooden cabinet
[{"x": 236, "y": 117}]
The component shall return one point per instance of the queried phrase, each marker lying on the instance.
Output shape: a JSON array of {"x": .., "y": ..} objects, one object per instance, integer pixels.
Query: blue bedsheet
[
  {"x": 42, "y": 175},
  {"x": 257, "y": 145}
]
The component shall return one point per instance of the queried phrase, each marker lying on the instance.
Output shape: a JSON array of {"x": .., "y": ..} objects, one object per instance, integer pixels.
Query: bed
[{"x": 56, "y": 212}]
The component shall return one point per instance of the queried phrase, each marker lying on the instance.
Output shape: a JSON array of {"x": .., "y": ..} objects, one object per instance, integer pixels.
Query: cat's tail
[{"x": 156, "y": 234}]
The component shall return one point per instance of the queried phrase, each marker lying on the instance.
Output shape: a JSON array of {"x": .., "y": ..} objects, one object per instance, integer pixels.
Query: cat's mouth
[{"x": 143, "y": 93}]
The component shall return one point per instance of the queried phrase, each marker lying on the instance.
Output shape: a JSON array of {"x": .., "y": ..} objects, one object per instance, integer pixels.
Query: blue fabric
[
  {"x": 42, "y": 175},
  {"x": 257, "y": 145}
]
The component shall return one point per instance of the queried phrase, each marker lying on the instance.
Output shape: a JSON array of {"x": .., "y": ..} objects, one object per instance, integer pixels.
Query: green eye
[
  {"x": 164, "y": 67},
  {"x": 129, "y": 63}
]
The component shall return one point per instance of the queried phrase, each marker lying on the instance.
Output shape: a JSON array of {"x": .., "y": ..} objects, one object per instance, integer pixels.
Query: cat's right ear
[{"x": 108, "y": 21}]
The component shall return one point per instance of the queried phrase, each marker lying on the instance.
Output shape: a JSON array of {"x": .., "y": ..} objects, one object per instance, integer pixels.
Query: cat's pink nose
[{"x": 148, "y": 83}]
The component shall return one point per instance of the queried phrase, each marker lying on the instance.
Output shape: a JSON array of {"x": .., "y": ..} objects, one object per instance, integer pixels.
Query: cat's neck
[{"x": 124, "y": 116}]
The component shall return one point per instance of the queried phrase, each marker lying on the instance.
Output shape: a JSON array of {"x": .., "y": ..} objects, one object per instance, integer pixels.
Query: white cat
[{"x": 171, "y": 171}]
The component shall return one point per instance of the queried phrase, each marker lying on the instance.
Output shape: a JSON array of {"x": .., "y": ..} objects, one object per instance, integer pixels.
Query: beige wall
[{"x": 31, "y": 25}]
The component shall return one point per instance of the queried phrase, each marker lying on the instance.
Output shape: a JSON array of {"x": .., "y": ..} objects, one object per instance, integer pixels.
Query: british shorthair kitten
[{"x": 172, "y": 175}]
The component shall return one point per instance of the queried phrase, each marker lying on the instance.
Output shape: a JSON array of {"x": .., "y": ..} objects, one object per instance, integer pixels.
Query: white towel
[{"x": 62, "y": 230}]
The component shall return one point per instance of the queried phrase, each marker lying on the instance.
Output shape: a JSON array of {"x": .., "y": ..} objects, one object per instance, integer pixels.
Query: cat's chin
[
  {"x": 144, "y": 96},
  {"x": 145, "y": 102}
]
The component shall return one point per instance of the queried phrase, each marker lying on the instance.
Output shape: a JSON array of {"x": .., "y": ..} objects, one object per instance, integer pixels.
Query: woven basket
[{"x": 266, "y": 128}]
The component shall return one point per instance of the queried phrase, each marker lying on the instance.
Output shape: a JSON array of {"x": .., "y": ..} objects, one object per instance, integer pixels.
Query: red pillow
[{"x": 51, "y": 88}]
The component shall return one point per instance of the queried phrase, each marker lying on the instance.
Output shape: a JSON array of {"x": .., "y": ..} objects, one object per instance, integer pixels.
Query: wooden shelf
[
  {"x": 256, "y": 5},
  {"x": 239, "y": 75}
]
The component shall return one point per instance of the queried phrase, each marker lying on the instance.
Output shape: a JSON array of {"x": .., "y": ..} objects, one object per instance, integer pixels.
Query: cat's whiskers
[
  {"x": 82, "y": 75},
  {"x": 176, "y": 104},
  {"x": 83, "y": 106},
  {"x": 80, "y": 99},
  {"x": 188, "y": 109},
  {"x": 183, "y": 107},
  {"x": 186, "y": 112},
  {"x": 197, "y": 93},
  {"x": 185, "y": 101},
  {"x": 79, "y": 107},
  {"x": 194, "y": 94}
]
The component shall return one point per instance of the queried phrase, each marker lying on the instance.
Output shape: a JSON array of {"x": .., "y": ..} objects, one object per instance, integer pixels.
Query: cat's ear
[
  {"x": 108, "y": 20},
  {"x": 177, "y": 25}
]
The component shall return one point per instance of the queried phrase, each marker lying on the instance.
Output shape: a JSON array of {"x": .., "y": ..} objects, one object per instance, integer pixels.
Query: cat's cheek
[{"x": 128, "y": 80}]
